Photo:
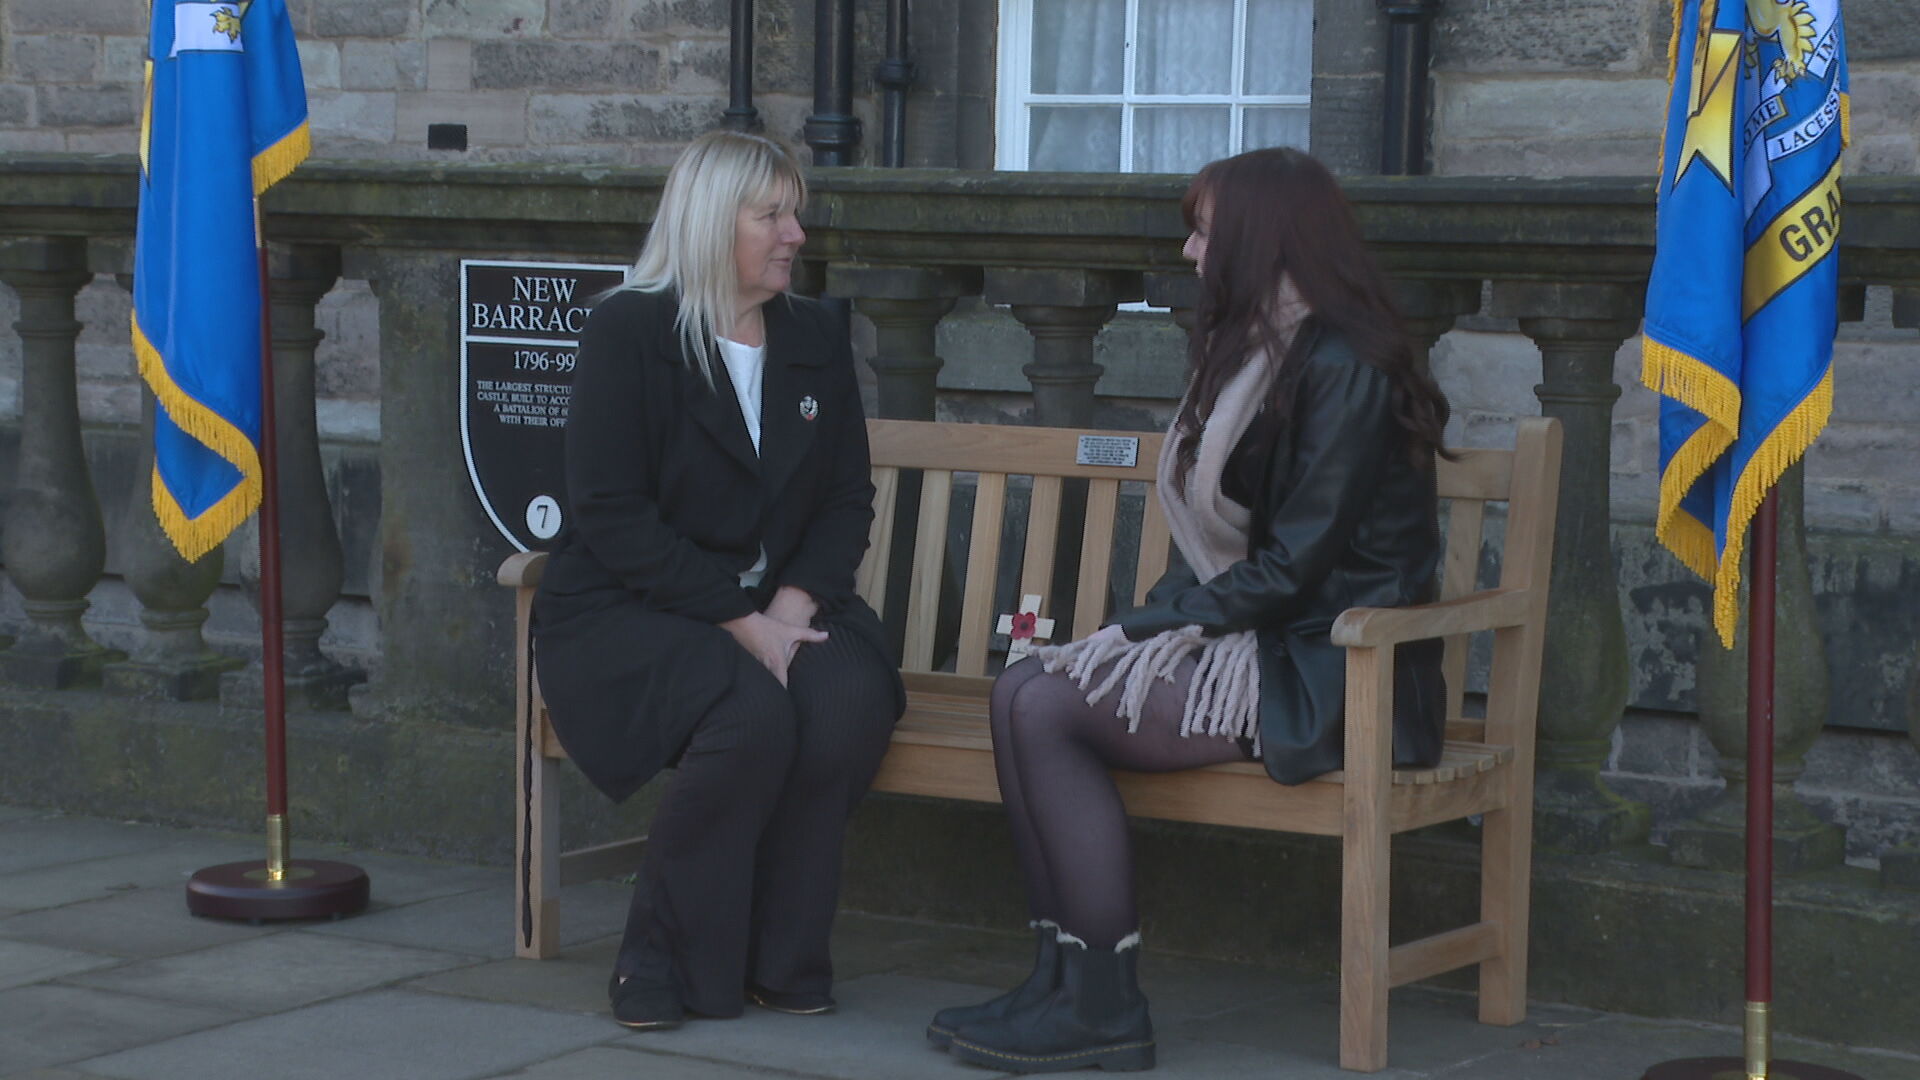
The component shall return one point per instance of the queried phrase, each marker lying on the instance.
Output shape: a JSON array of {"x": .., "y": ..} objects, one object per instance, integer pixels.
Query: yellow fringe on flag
[
  {"x": 1846, "y": 120},
  {"x": 272, "y": 165},
  {"x": 196, "y": 536},
  {"x": 1690, "y": 381},
  {"x": 1690, "y": 540},
  {"x": 1784, "y": 446}
]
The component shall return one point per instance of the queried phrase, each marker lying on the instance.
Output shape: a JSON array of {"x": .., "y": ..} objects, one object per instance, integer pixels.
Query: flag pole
[
  {"x": 281, "y": 887},
  {"x": 1760, "y": 654},
  {"x": 1757, "y": 1063}
]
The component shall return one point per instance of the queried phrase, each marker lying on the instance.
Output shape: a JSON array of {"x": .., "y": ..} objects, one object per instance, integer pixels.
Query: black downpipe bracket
[
  {"x": 895, "y": 76},
  {"x": 833, "y": 132},
  {"x": 1403, "y": 135},
  {"x": 740, "y": 114}
]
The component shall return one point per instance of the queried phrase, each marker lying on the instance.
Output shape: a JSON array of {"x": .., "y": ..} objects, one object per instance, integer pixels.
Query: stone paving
[{"x": 104, "y": 974}]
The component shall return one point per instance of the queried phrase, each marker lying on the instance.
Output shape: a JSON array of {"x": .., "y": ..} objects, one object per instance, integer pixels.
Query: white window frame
[{"x": 1014, "y": 94}]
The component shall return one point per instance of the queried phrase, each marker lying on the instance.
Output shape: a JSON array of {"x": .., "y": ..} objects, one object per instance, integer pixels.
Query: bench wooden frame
[{"x": 942, "y": 748}]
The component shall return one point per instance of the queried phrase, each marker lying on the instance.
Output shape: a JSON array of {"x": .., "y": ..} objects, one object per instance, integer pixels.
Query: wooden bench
[{"x": 942, "y": 747}]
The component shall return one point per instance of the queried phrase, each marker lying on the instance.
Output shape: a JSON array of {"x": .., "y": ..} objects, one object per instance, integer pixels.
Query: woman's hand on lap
[{"x": 771, "y": 641}]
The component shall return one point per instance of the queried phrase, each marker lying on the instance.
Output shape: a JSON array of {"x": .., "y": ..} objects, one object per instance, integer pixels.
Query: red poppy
[{"x": 1023, "y": 625}]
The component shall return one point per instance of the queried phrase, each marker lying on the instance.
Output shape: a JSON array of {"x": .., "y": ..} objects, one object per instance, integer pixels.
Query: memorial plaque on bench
[{"x": 520, "y": 326}]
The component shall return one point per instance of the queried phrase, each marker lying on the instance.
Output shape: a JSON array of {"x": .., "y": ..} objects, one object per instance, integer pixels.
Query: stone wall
[
  {"x": 1571, "y": 88},
  {"x": 592, "y": 81}
]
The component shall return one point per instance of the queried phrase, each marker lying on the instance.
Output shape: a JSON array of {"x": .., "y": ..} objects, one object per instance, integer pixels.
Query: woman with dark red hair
[{"x": 1298, "y": 482}]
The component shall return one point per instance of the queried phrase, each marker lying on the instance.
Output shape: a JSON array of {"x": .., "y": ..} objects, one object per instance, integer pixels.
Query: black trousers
[{"x": 741, "y": 875}]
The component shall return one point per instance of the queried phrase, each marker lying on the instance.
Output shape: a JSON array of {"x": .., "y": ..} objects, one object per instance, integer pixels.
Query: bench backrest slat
[
  {"x": 1043, "y": 528},
  {"x": 1096, "y": 556},
  {"x": 1458, "y": 574},
  {"x": 1155, "y": 543},
  {"x": 929, "y": 562},
  {"x": 983, "y": 561},
  {"x": 871, "y": 582}
]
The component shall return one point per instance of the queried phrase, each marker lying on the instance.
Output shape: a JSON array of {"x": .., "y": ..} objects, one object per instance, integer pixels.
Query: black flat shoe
[
  {"x": 644, "y": 1006},
  {"x": 792, "y": 1004}
]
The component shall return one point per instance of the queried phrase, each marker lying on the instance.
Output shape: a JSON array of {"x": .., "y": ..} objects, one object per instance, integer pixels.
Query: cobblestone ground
[{"x": 104, "y": 974}]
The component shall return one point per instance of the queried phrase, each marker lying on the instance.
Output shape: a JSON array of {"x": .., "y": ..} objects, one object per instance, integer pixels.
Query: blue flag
[
  {"x": 225, "y": 117},
  {"x": 1742, "y": 305}
]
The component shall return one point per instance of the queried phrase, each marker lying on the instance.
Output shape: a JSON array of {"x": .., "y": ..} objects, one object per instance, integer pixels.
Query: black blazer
[
  {"x": 667, "y": 503},
  {"x": 1341, "y": 518}
]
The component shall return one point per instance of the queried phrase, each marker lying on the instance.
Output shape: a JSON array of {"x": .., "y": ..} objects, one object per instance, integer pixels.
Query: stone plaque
[
  {"x": 520, "y": 326},
  {"x": 1120, "y": 451}
]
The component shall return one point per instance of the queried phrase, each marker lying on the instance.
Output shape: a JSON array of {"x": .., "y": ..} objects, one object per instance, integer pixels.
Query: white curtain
[{"x": 1184, "y": 47}]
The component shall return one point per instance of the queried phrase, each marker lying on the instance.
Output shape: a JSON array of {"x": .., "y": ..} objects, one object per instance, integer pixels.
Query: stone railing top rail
[{"x": 1596, "y": 228}]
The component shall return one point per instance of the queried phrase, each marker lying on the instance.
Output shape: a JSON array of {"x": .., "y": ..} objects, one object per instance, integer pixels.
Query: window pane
[
  {"x": 1275, "y": 126},
  {"x": 1186, "y": 47},
  {"x": 1079, "y": 46},
  {"x": 1179, "y": 139},
  {"x": 1279, "y": 46},
  {"x": 1064, "y": 138}
]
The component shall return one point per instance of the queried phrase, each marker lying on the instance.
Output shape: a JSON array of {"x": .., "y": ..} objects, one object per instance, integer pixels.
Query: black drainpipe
[
  {"x": 895, "y": 75},
  {"x": 832, "y": 131},
  {"x": 740, "y": 114},
  {"x": 1403, "y": 136}
]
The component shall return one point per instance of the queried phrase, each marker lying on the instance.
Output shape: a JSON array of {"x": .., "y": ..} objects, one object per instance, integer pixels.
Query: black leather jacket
[{"x": 1342, "y": 518}]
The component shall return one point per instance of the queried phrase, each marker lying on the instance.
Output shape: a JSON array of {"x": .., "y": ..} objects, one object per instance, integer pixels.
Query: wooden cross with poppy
[{"x": 1025, "y": 628}]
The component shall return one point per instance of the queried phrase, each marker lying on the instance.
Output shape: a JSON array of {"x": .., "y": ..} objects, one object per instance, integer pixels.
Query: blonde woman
[{"x": 699, "y": 609}]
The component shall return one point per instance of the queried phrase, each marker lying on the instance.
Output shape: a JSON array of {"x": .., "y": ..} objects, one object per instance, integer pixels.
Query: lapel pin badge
[{"x": 809, "y": 408}]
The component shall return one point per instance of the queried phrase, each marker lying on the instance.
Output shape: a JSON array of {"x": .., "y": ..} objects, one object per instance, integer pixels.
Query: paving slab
[
  {"x": 878, "y": 1033},
  {"x": 879, "y": 945},
  {"x": 480, "y": 923},
  {"x": 273, "y": 973},
  {"x": 138, "y": 924},
  {"x": 573, "y": 981},
  {"x": 23, "y": 962},
  {"x": 384, "y": 1035},
  {"x": 1185, "y": 1059},
  {"x": 47, "y": 841},
  {"x": 52, "y": 1074},
  {"x": 398, "y": 880},
  {"x": 54, "y": 1025},
  {"x": 1426, "y": 1029},
  {"x": 165, "y": 866},
  {"x": 613, "y": 1063},
  {"x": 1616, "y": 1047},
  {"x": 22, "y": 813}
]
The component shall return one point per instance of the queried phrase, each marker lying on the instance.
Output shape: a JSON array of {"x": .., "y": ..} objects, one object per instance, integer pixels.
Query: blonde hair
[{"x": 689, "y": 249}]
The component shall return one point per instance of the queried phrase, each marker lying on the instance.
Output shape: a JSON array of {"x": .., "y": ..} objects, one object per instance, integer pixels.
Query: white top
[{"x": 744, "y": 366}]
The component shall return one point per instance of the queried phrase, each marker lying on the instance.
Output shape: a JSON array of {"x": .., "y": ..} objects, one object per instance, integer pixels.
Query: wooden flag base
[
  {"x": 308, "y": 889},
  {"x": 1730, "y": 1068}
]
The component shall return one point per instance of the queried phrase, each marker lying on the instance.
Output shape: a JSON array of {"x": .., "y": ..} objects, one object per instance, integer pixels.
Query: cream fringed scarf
[{"x": 1212, "y": 533}]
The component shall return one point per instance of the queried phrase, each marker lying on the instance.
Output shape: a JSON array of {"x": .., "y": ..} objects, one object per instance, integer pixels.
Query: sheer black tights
[{"x": 1052, "y": 752}]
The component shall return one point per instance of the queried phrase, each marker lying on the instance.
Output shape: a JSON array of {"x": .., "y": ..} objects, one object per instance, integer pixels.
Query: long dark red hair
[{"x": 1278, "y": 214}]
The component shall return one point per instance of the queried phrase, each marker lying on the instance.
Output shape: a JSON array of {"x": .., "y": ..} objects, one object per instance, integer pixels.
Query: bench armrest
[
  {"x": 1487, "y": 610},
  {"x": 522, "y": 570}
]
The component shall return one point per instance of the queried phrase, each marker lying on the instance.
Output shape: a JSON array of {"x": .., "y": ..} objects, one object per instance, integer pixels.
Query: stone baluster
[
  {"x": 1177, "y": 292},
  {"x": 905, "y": 305},
  {"x": 53, "y": 539},
  {"x": 445, "y": 628},
  {"x": 1579, "y": 328},
  {"x": 312, "y": 565},
  {"x": 1064, "y": 310},
  {"x": 1429, "y": 307},
  {"x": 1900, "y": 867},
  {"x": 1716, "y": 839},
  {"x": 170, "y": 659}
]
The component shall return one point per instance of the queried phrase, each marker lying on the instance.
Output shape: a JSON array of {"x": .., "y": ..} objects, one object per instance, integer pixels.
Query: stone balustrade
[{"x": 1565, "y": 261}]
